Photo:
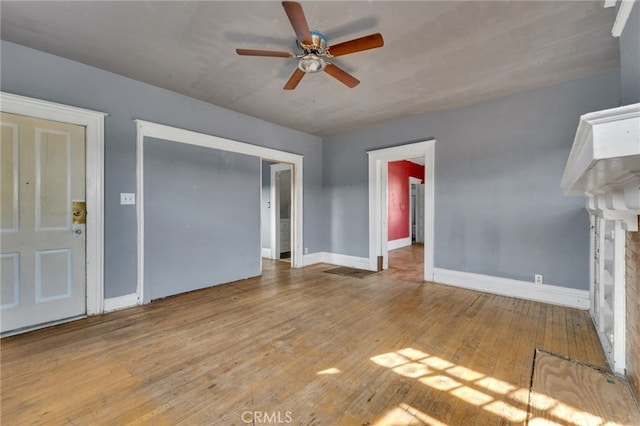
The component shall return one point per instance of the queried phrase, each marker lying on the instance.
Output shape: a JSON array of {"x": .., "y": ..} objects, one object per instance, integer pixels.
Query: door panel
[
  {"x": 9, "y": 177},
  {"x": 53, "y": 172},
  {"x": 54, "y": 275},
  {"x": 43, "y": 250},
  {"x": 9, "y": 271}
]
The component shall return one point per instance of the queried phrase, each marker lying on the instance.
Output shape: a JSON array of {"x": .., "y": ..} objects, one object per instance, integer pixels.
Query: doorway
[
  {"x": 281, "y": 217},
  {"x": 43, "y": 221},
  {"x": 416, "y": 211},
  {"x": 277, "y": 219},
  {"x": 378, "y": 203},
  {"x": 147, "y": 129},
  {"x": 56, "y": 280},
  {"x": 401, "y": 210}
]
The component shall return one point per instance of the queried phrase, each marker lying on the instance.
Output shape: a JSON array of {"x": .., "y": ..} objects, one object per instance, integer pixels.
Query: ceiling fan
[{"x": 314, "y": 54}]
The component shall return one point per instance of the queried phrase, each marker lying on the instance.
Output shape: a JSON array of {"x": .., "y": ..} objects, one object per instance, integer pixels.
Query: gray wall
[
  {"x": 202, "y": 217},
  {"x": 32, "y": 73},
  {"x": 630, "y": 58},
  {"x": 499, "y": 209}
]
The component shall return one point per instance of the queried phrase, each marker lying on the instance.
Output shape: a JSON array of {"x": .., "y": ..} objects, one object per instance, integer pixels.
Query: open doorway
[
  {"x": 404, "y": 215},
  {"x": 152, "y": 132},
  {"x": 378, "y": 202},
  {"x": 276, "y": 211},
  {"x": 416, "y": 210}
]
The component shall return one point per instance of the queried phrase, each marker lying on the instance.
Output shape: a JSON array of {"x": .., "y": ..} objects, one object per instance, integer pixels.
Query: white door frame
[
  {"x": 93, "y": 122},
  {"x": 378, "y": 221},
  {"x": 174, "y": 134},
  {"x": 274, "y": 216}
]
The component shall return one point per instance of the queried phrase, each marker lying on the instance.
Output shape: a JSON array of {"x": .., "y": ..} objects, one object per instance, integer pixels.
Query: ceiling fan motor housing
[
  {"x": 318, "y": 43},
  {"x": 311, "y": 60}
]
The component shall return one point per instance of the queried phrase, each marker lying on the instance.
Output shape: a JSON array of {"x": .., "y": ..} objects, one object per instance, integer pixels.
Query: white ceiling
[{"x": 437, "y": 55}]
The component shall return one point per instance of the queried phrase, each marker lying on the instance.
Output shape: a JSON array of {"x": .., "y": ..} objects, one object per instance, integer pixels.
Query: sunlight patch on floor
[
  {"x": 489, "y": 393},
  {"x": 472, "y": 396},
  {"x": 412, "y": 370},
  {"x": 329, "y": 371},
  {"x": 407, "y": 415},
  {"x": 441, "y": 382},
  {"x": 569, "y": 415}
]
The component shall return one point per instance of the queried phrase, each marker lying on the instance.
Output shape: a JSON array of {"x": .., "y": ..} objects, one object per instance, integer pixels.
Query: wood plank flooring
[
  {"x": 567, "y": 392},
  {"x": 295, "y": 347}
]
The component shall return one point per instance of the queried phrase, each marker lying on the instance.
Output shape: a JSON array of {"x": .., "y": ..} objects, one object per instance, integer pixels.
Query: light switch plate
[{"x": 127, "y": 198}]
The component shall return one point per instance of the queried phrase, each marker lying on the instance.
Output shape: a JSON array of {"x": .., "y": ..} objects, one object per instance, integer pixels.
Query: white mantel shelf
[{"x": 604, "y": 164}]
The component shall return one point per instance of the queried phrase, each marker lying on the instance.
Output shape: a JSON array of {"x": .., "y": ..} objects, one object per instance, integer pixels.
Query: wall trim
[
  {"x": 338, "y": 260},
  {"x": 314, "y": 258},
  {"x": 546, "y": 293},
  {"x": 399, "y": 243},
  {"x": 121, "y": 302},
  {"x": 93, "y": 122},
  {"x": 266, "y": 252},
  {"x": 621, "y": 18},
  {"x": 175, "y": 134},
  {"x": 348, "y": 261}
]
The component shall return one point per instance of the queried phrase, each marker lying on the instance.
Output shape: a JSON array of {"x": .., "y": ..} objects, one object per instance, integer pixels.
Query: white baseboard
[
  {"x": 399, "y": 243},
  {"x": 546, "y": 293},
  {"x": 348, "y": 261},
  {"x": 120, "y": 302},
  {"x": 336, "y": 259},
  {"x": 266, "y": 252},
  {"x": 313, "y": 258}
]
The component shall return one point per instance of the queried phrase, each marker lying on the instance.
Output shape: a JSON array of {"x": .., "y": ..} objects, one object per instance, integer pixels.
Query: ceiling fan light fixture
[
  {"x": 311, "y": 63},
  {"x": 313, "y": 51}
]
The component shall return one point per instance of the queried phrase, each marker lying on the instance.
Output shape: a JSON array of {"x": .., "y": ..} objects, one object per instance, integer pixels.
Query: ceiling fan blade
[
  {"x": 294, "y": 79},
  {"x": 298, "y": 21},
  {"x": 341, "y": 75},
  {"x": 272, "y": 53},
  {"x": 357, "y": 45}
]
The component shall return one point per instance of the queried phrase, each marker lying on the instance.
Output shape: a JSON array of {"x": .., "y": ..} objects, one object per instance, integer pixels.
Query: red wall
[{"x": 398, "y": 196}]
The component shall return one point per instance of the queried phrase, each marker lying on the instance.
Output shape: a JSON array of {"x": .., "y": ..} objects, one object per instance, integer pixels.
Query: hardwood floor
[
  {"x": 582, "y": 393},
  {"x": 295, "y": 346}
]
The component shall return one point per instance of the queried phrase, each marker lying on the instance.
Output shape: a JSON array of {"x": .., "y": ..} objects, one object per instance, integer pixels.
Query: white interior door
[
  {"x": 413, "y": 182},
  {"x": 419, "y": 213},
  {"x": 42, "y": 222},
  {"x": 276, "y": 219}
]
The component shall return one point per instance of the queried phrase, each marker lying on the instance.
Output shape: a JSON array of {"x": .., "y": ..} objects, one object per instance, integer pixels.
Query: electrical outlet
[
  {"x": 127, "y": 198},
  {"x": 537, "y": 279},
  {"x": 306, "y": 250}
]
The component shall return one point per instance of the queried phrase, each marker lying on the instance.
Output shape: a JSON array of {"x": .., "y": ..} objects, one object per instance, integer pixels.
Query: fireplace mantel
[
  {"x": 604, "y": 167},
  {"x": 604, "y": 164}
]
